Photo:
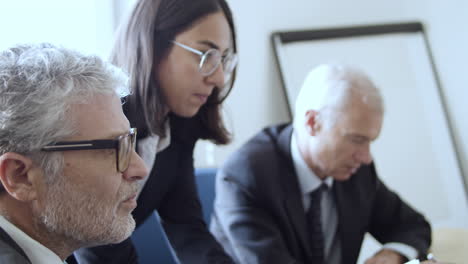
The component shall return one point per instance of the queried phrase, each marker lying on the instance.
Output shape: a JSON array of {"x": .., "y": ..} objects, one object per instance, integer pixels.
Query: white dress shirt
[
  {"x": 35, "y": 251},
  {"x": 308, "y": 182},
  {"x": 149, "y": 147}
]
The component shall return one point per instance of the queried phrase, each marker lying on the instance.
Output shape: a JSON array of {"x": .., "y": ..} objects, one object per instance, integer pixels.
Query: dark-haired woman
[{"x": 181, "y": 58}]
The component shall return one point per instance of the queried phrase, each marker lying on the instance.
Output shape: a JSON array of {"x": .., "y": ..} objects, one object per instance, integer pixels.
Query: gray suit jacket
[
  {"x": 259, "y": 216},
  {"x": 10, "y": 252}
]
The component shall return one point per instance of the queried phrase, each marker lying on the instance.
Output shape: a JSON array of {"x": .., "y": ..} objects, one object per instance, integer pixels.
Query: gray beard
[{"x": 84, "y": 219}]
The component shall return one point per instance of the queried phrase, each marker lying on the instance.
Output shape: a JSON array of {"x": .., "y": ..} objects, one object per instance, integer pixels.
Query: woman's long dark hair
[{"x": 142, "y": 43}]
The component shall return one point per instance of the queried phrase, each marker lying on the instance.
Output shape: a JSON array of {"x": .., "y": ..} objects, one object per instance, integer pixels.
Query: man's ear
[
  {"x": 312, "y": 122},
  {"x": 17, "y": 176}
]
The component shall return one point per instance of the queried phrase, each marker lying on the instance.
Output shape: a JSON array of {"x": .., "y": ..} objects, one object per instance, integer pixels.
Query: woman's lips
[{"x": 202, "y": 97}]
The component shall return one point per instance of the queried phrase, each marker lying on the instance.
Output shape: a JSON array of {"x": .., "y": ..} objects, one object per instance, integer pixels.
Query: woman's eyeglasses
[
  {"x": 211, "y": 59},
  {"x": 123, "y": 145}
]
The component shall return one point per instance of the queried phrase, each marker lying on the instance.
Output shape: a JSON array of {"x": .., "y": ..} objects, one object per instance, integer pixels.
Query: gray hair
[
  {"x": 330, "y": 89},
  {"x": 38, "y": 84}
]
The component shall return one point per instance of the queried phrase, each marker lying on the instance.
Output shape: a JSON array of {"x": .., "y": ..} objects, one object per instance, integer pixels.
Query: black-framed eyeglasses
[
  {"x": 123, "y": 145},
  {"x": 211, "y": 59}
]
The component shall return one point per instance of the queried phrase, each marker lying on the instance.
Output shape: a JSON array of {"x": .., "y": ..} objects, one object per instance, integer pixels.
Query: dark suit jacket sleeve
[
  {"x": 393, "y": 220},
  {"x": 251, "y": 232},
  {"x": 182, "y": 219}
]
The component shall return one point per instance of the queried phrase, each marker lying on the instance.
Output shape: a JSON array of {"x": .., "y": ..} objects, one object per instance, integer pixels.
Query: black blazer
[
  {"x": 259, "y": 216},
  {"x": 10, "y": 252},
  {"x": 171, "y": 190}
]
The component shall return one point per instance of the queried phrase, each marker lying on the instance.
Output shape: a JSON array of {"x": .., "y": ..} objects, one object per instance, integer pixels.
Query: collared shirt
[
  {"x": 148, "y": 148},
  {"x": 36, "y": 252},
  {"x": 308, "y": 183}
]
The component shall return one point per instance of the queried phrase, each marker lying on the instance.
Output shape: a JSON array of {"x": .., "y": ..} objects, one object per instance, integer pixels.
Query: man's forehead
[
  {"x": 360, "y": 123},
  {"x": 369, "y": 131},
  {"x": 100, "y": 117}
]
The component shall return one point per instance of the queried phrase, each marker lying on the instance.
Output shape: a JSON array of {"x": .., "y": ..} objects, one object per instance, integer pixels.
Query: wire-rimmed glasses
[{"x": 211, "y": 59}]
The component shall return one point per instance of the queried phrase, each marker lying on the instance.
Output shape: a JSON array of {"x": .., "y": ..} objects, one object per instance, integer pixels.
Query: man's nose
[
  {"x": 137, "y": 169},
  {"x": 364, "y": 155}
]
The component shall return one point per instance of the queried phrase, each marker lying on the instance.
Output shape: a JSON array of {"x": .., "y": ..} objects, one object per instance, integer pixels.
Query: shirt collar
[
  {"x": 166, "y": 140},
  {"x": 308, "y": 180},
  {"x": 36, "y": 252},
  {"x": 148, "y": 148}
]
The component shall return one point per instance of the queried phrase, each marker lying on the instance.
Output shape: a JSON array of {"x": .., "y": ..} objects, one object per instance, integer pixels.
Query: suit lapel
[
  {"x": 156, "y": 186},
  {"x": 184, "y": 133},
  {"x": 292, "y": 193},
  {"x": 10, "y": 242},
  {"x": 296, "y": 214}
]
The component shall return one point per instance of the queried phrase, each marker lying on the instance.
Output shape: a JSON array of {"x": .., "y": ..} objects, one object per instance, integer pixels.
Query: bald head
[
  {"x": 339, "y": 113},
  {"x": 333, "y": 89}
]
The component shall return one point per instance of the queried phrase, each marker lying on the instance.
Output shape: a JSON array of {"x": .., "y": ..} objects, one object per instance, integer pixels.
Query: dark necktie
[{"x": 314, "y": 219}]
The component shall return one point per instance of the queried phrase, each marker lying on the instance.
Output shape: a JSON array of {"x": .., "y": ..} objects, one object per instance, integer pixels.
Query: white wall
[
  {"x": 82, "y": 25},
  {"x": 449, "y": 39},
  {"x": 257, "y": 99}
]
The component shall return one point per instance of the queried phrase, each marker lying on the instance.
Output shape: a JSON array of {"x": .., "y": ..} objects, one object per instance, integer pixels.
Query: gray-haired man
[
  {"x": 307, "y": 192},
  {"x": 68, "y": 169}
]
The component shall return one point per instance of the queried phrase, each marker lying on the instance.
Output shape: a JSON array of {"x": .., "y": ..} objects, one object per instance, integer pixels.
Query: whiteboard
[{"x": 415, "y": 154}]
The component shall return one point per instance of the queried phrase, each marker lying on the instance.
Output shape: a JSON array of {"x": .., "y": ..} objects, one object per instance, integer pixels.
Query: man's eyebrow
[{"x": 117, "y": 133}]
